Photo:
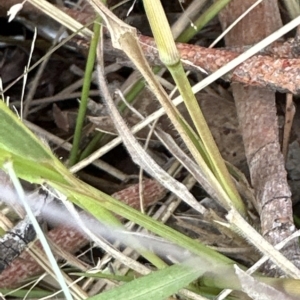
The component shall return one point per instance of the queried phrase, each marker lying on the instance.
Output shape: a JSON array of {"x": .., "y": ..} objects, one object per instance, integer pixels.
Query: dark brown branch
[
  {"x": 275, "y": 73},
  {"x": 279, "y": 74},
  {"x": 257, "y": 116}
]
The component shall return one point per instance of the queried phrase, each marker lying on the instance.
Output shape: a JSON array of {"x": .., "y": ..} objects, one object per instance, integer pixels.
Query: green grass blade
[
  {"x": 85, "y": 94},
  {"x": 19, "y": 140},
  {"x": 157, "y": 285}
]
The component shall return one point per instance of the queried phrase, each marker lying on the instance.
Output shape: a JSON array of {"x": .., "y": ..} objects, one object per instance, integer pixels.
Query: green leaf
[
  {"x": 18, "y": 139},
  {"x": 157, "y": 285}
]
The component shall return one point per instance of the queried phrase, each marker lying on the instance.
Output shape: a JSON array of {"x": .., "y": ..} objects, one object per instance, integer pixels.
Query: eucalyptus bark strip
[
  {"x": 280, "y": 74},
  {"x": 256, "y": 110}
]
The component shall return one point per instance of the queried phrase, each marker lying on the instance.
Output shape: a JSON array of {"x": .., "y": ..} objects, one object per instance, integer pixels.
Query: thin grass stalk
[
  {"x": 85, "y": 94},
  {"x": 170, "y": 57}
]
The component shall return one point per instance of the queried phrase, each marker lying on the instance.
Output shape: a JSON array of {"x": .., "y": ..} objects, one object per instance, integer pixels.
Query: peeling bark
[{"x": 258, "y": 121}]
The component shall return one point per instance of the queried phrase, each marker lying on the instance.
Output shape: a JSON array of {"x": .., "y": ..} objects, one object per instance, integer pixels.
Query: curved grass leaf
[
  {"x": 155, "y": 286},
  {"x": 19, "y": 140}
]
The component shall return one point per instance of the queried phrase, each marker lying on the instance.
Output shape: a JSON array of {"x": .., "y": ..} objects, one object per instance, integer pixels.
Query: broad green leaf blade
[
  {"x": 33, "y": 160},
  {"x": 18, "y": 139},
  {"x": 157, "y": 285},
  {"x": 31, "y": 170}
]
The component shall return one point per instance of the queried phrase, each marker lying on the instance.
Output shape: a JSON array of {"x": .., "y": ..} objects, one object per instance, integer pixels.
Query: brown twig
[
  {"x": 258, "y": 121},
  {"x": 279, "y": 74},
  {"x": 274, "y": 72}
]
